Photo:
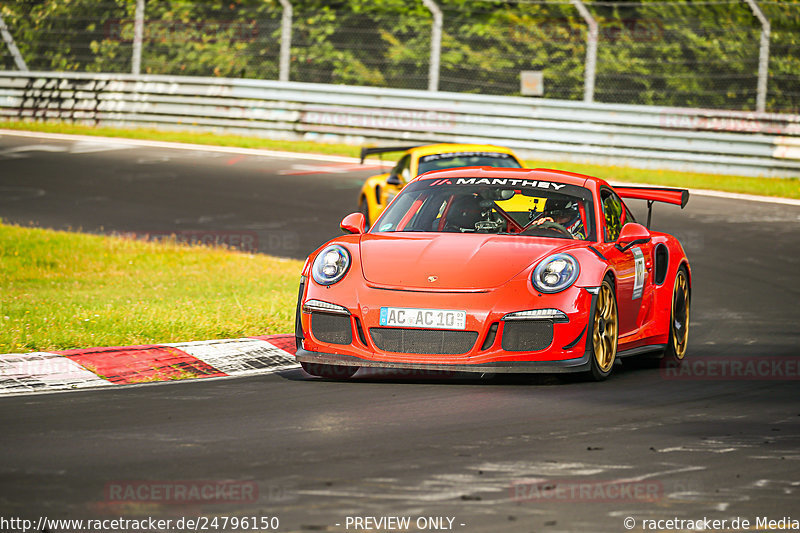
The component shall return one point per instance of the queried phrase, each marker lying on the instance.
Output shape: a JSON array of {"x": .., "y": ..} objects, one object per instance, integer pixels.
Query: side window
[
  {"x": 402, "y": 168},
  {"x": 614, "y": 215},
  {"x": 627, "y": 216}
]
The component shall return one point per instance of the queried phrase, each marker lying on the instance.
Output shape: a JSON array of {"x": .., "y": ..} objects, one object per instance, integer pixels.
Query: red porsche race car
[{"x": 497, "y": 270}]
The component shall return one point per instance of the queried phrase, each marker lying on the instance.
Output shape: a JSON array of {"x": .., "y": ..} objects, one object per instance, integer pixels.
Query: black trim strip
[
  {"x": 593, "y": 306},
  {"x": 577, "y": 340},
  {"x": 491, "y": 336},
  {"x": 360, "y": 331},
  {"x": 431, "y": 291},
  {"x": 298, "y": 328},
  {"x": 597, "y": 253},
  {"x": 642, "y": 349}
]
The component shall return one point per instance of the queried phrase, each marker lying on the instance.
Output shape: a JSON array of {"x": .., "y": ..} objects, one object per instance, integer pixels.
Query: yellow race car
[{"x": 379, "y": 190}]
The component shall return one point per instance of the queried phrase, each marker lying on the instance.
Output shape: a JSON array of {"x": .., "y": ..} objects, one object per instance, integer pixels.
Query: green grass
[
  {"x": 788, "y": 188},
  {"x": 63, "y": 290}
]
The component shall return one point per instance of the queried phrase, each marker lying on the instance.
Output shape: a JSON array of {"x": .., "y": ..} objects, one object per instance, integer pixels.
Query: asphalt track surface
[{"x": 522, "y": 453}]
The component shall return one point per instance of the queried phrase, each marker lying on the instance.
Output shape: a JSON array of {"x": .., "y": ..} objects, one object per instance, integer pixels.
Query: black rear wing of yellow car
[{"x": 370, "y": 151}]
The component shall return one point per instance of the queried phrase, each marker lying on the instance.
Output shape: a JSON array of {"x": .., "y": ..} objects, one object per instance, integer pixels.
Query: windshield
[
  {"x": 501, "y": 206},
  {"x": 466, "y": 159}
]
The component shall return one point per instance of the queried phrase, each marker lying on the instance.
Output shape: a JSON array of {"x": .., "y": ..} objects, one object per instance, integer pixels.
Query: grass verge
[
  {"x": 62, "y": 290},
  {"x": 787, "y": 188}
]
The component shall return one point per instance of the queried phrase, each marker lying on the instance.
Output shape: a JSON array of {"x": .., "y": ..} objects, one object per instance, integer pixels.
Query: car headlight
[
  {"x": 331, "y": 265},
  {"x": 555, "y": 273}
]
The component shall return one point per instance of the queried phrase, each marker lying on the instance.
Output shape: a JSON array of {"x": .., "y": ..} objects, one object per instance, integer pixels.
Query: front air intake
[
  {"x": 527, "y": 335},
  {"x": 423, "y": 341},
  {"x": 333, "y": 329}
]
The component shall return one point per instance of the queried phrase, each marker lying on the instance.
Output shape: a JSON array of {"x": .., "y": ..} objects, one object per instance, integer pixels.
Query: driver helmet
[
  {"x": 465, "y": 211},
  {"x": 564, "y": 212}
]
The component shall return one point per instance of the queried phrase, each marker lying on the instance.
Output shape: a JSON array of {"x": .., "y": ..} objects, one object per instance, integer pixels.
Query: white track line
[
  {"x": 331, "y": 158},
  {"x": 180, "y": 146}
]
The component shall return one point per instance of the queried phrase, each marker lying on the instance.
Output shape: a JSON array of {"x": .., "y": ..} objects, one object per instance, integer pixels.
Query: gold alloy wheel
[
  {"x": 680, "y": 315},
  {"x": 605, "y": 329}
]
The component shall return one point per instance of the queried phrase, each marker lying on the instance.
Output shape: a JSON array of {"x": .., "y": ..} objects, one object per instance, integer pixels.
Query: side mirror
[
  {"x": 393, "y": 179},
  {"x": 631, "y": 235},
  {"x": 354, "y": 223}
]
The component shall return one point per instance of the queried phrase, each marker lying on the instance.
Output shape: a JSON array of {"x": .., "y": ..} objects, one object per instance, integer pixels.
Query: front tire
[
  {"x": 329, "y": 371},
  {"x": 604, "y": 330}
]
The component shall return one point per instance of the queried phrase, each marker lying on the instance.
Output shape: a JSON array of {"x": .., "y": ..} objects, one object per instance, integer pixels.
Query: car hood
[{"x": 457, "y": 261}]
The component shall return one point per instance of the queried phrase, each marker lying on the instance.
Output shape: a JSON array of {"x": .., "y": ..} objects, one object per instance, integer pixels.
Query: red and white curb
[{"x": 101, "y": 367}]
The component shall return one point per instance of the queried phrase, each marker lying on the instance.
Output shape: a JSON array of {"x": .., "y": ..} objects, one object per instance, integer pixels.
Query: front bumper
[
  {"x": 580, "y": 364},
  {"x": 568, "y": 348}
]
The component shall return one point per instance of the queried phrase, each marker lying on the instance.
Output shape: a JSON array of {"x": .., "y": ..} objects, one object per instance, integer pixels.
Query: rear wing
[
  {"x": 655, "y": 194},
  {"x": 369, "y": 151}
]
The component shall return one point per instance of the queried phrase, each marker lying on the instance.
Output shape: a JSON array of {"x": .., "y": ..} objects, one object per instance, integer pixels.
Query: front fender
[{"x": 593, "y": 268}]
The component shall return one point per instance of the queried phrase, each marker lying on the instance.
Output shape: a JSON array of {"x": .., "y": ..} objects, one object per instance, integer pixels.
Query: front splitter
[{"x": 581, "y": 364}]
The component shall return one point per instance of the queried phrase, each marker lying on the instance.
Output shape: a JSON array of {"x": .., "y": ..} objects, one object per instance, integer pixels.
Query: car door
[{"x": 633, "y": 267}]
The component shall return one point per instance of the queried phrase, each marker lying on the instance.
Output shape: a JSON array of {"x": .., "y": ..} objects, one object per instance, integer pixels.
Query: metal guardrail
[{"x": 722, "y": 142}]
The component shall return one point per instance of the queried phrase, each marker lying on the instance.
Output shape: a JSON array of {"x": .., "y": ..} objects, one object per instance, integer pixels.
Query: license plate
[{"x": 405, "y": 317}]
